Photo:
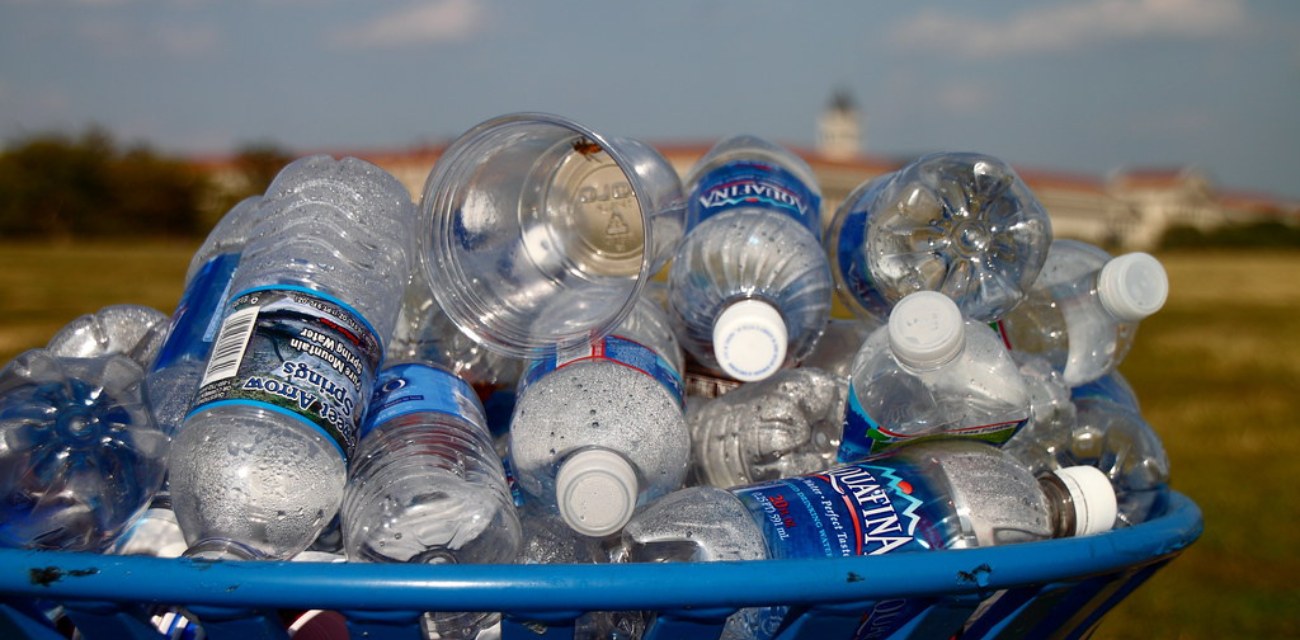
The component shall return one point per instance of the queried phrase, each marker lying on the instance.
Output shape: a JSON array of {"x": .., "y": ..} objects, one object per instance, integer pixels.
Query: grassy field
[{"x": 1217, "y": 371}]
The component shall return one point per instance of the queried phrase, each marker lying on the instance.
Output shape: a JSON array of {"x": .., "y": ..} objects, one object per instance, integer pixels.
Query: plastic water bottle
[
  {"x": 963, "y": 224},
  {"x": 749, "y": 286},
  {"x": 426, "y": 486},
  {"x": 1117, "y": 440},
  {"x": 1083, "y": 310},
  {"x": 931, "y": 371},
  {"x": 82, "y": 456},
  {"x": 948, "y": 494},
  {"x": 133, "y": 330},
  {"x": 174, "y": 375},
  {"x": 785, "y": 425},
  {"x": 259, "y": 465},
  {"x": 599, "y": 430}
]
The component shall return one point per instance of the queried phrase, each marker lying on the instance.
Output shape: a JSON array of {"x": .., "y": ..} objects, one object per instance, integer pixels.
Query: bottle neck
[{"x": 1060, "y": 506}]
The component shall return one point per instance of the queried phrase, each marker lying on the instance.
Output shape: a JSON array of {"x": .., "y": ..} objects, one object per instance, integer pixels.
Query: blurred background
[{"x": 128, "y": 127}]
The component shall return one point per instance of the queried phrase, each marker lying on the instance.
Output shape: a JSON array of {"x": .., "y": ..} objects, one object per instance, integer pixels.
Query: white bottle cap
[
  {"x": 1133, "y": 286},
  {"x": 1095, "y": 505},
  {"x": 596, "y": 491},
  {"x": 926, "y": 329},
  {"x": 749, "y": 340}
]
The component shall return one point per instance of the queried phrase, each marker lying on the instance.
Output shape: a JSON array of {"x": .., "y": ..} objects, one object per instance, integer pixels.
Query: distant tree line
[
  {"x": 86, "y": 185},
  {"x": 1258, "y": 235}
]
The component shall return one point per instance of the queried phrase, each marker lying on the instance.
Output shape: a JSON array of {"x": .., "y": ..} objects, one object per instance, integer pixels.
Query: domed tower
[{"x": 839, "y": 130}]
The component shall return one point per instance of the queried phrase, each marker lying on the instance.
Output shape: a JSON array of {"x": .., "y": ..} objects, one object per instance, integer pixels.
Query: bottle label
[
  {"x": 197, "y": 317},
  {"x": 296, "y": 351},
  {"x": 863, "y": 436},
  {"x": 611, "y": 349},
  {"x": 851, "y": 261},
  {"x": 418, "y": 388},
  {"x": 862, "y": 509},
  {"x": 754, "y": 184}
]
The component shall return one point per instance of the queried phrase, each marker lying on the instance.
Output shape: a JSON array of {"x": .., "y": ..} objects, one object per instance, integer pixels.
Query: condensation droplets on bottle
[
  {"x": 259, "y": 466},
  {"x": 601, "y": 429}
]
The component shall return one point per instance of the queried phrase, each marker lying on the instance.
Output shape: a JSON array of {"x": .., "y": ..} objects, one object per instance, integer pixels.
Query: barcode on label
[{"x": 228, "y": 350}]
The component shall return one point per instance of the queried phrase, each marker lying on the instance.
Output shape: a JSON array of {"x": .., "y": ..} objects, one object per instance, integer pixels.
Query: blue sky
[{"x": 1077, "y": 86}]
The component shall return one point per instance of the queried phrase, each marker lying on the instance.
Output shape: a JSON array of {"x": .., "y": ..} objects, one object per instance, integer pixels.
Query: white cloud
[
  {"x": 1066, "y": 26},
  {"x": 423, "y": 23}
]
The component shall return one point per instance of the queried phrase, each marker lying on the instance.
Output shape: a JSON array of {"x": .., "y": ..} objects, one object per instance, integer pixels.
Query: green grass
[{"x": 1217, "y": 371}]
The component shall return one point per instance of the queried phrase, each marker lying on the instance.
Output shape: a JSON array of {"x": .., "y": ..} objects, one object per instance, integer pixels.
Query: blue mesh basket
[{"x": 1052, "y": 589}]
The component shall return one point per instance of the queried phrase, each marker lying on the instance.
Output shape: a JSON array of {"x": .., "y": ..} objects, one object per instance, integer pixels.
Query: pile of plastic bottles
[{"x": 334, "y": 386}]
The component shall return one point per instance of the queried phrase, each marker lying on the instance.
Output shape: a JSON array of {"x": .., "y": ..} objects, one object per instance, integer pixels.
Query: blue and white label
[
  {"x": 198, "y": 316},
  {"x": 418, "y": 388},
  {"x": 619, "y": 350},
  {"x": 857, "y": 510},
  {"x": 863, "y": 436},
  {"x": 754, "y": 184},
  {"x": 298, "y": 352}
]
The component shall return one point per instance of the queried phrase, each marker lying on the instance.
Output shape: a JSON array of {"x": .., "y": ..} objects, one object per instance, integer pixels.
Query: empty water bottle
[
  {"x": 785, "y": 425},
  {"x": 1083, "y": 310},
  {"x": 259, "y": 465},
  {"x": 749, "y": 287},
  {"x": 1117, "y": 440},
  {"x": 426, "y": 485},
  {"x": 948, "y": 494},
  {"x": 962, "y": 224},
  {"x": 931, "y": 372},
  {"x": 598, "y": 430},
  {"x": 133, "y": 330},
  {"x": 174, "y": 375},
  {"x": 82, "y": 456}
]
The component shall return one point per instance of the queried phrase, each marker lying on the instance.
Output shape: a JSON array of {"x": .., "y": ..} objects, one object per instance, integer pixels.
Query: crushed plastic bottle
[
  {"x": 133, "y": 330},
  {"x": 785, "y": 425}
]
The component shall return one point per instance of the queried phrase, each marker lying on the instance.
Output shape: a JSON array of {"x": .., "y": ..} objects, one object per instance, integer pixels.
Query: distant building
[
  {"x": 839, "y": 129},
  {"x": 1131, "y": 209}
]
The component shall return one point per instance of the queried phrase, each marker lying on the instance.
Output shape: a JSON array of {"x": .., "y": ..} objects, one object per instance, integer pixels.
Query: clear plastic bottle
[
  {"x": 427, "y": 486},
  {"x": 600, "y": 430},
  {"x": 948, "y": 494},
  {"x": 931, "y": 372},
  {"x": 133, "y": 330},
  {"x": 81, "y": 457},
  {"x": 785, "y": 425},
  {"x": 259, "y": 465},
  {"x": 1116, "y": 439},
  {"x": 174, "y": 374},
  {"x": 749, "y": 287},
  {"x": 963, "y": 224},
  {"x": 1083, "y": 310}
]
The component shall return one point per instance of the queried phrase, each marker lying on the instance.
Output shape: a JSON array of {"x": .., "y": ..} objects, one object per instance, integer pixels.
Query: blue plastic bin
[{"x": 1052, "y": 589}]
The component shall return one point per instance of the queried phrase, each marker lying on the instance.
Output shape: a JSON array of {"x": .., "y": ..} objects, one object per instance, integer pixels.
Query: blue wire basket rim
[{"x": 523, "y": 588}]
